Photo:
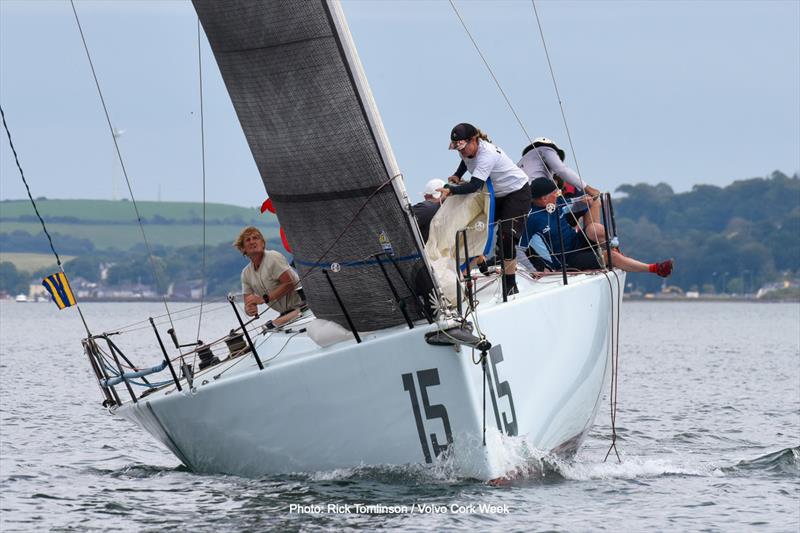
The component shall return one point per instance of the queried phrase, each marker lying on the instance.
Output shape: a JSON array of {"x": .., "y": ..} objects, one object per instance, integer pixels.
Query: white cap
[{"x": 432, "y": 185}]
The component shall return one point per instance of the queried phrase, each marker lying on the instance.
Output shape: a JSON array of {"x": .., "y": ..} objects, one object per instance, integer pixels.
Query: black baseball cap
[
  {"x": 461, "y": 132},
  {"x": 542, "y": 187}
]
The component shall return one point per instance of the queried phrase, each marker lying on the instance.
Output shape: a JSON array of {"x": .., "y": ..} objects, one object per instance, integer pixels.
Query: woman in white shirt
[{"x": 485, "y": 162}]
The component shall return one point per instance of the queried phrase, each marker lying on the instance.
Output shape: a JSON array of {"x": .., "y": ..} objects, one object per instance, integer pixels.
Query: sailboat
[{"x": 409, "y": 376}]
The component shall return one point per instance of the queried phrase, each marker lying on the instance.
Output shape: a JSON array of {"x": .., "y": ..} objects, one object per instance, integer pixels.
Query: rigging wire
[
  {"x": 27, "y": 188},
  {"x": 36, "y": 210},
  {"x": 560, "y": 103},
  {"x": 131, "y": 326},
  {"x": 203, "y": 159},
  {"x": 491, "y": 72},
  {"x": 508, "y": 101},
  {"x": 353, "y": 218},
  {"x": 150, "y": 255},
  {"x": 558, "y": 94}
]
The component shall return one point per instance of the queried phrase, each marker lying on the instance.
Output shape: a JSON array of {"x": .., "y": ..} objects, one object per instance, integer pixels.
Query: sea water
[{"x": 708, "y": 433}]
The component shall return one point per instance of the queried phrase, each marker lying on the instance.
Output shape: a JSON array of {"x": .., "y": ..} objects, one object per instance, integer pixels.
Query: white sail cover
[{"x": 306, "y": 111}]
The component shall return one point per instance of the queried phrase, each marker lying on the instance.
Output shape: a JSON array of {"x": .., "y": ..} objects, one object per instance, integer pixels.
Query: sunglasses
[{"x": 459, "y": 145}]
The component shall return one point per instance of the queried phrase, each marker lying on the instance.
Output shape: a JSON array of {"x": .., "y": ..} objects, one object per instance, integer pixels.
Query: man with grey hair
[{"x": 267, "y": 278}]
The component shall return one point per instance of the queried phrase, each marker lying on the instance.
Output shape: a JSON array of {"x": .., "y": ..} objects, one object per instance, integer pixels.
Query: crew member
[
  {"x": 425, "y": 210},
  {"x": 485, "y": 162},
  {"x": 544, "y": 243},
  {"x": 267, "y": 278},
  {"x": 544, "y": 159}
]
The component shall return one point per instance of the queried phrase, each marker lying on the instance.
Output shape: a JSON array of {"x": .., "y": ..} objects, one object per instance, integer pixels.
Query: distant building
[
  {"x": 125, "y": 292},
  {"x": 37, "y": 292},
  {"x": 187, "y": 290},
  {"x": 765, "y": 290},
  {"x": 84, "y": 289}
]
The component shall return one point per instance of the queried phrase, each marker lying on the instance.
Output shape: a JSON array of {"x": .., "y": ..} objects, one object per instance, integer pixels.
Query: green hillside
[
  {"x": 27, "y": 262},
  {"x": 122, "y": 211},
  {"x": 84, "y": 226},
  {"x": 128, "y": 236}
]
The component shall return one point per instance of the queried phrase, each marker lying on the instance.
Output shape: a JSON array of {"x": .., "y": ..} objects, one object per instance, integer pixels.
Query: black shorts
[
  {"x": 583, "y": 257},
  {"x": 513, "y": 207},
  {"x": 511, "y": 210}
]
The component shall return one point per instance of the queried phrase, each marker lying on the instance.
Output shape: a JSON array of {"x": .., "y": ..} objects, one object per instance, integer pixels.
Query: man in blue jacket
[{"x": 549, "y": 213}]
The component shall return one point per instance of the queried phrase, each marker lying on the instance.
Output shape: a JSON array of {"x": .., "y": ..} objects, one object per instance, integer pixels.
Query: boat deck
[{"x": 291, "y": 343}]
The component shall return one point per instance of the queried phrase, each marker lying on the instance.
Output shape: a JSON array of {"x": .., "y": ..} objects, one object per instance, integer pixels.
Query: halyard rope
[
  {"x": 491, "y": 72},
  {"x": 150, "y": 255},
  {"x": 560, "y": 102},
  {"x": 508, "y": 101},
  {"x": 558, "y": 95},
  {"x": 203, "y": 161}
]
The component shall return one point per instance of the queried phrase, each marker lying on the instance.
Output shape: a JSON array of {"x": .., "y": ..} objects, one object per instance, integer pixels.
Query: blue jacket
[{"x": 541, "y": 232}]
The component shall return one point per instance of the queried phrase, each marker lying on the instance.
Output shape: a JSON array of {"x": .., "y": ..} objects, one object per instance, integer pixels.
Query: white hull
[{"x": 316, "y": 409}]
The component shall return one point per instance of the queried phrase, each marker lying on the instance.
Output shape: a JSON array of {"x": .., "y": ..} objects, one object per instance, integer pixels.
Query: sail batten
[
  {"x": 324, "y": 195},
  {"x": 302, "y": 101},
  {"x": 267, "y": 46}
]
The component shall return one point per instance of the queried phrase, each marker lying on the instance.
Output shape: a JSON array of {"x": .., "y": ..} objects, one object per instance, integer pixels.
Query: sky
[{"x": 682, "y": 92}]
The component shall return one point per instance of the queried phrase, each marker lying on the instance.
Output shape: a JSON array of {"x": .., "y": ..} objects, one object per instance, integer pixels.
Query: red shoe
[{"x": 664, "y": 268}]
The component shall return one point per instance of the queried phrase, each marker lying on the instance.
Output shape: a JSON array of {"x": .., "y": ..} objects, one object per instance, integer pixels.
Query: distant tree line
[
  {"x": 22, "y": 241},
  {"x": 12, "y": 281},
  {"x": 723, "y": 239},
  {"x": 155, "y": 219}
]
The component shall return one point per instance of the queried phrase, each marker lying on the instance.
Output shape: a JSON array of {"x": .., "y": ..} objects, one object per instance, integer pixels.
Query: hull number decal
[
  {"x": 502, "y": 389},
  {"x": 427, "y": 378}
]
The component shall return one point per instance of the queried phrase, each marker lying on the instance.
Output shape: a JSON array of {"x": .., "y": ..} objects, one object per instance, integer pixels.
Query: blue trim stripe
[
  {"x": 490, "y": 237},
  {"x": 350, "y": 264},
  {"x": 487, "y": 248}
]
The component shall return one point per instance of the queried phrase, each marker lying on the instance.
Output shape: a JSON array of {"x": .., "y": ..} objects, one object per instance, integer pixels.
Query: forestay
[{"x": 304, "y": 105}]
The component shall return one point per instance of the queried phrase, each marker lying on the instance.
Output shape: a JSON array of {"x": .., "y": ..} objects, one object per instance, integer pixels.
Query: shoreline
[
  {"x": 626, "y": 298},
  {"x": 718, "y": 298}
]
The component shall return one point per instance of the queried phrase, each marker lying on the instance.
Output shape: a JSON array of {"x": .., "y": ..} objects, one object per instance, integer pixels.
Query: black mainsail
[{"x": 303, "y": 102}]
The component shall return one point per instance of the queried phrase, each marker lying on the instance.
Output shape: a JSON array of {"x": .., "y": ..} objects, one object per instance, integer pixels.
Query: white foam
[
  {"x": 516, "y": 455},
  {"x": 630, "y": 468},
  {"x": 518, "y": 458}
]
